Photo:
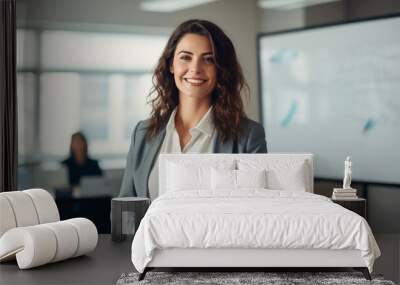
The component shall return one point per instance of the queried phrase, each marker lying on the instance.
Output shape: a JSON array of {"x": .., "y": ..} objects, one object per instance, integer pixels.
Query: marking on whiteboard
[
  {"x": 283, "y": 55},
  {"x": 369, "y": 125},
  {"x": 289, "y": 116}
]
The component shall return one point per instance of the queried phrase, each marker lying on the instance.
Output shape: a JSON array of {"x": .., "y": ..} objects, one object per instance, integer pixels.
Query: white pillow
[
  {"x": 282, "y": 174},
  {"x": 185, "y": 174},
  {"x": 235, "y": 179},
  {"x": 223, "y": 179},
  {"x": 293, "y": 179},
  {"x": 251, "y": 178},
  {"x": 181, "y": 177}
]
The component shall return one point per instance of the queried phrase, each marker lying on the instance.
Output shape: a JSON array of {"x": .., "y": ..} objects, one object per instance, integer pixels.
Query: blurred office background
[{"x": 87, "y": 65}]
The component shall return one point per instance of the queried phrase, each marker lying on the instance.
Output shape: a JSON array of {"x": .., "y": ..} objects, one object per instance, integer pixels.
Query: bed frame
[
  {"x": 241, "y": 259},
  {"x": 246, "y": 259}
]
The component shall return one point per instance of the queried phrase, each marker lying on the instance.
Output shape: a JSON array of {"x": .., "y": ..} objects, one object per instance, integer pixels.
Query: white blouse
[{"x": 202, "y": 140}]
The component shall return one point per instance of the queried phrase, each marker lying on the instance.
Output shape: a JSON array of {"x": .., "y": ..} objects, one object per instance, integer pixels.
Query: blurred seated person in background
[{"x": 78, "y": 163}]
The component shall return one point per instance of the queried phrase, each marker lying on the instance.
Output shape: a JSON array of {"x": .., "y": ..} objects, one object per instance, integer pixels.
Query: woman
[
  {"x": 197, "y": 108},
  {"x": 78, "y": 163}
]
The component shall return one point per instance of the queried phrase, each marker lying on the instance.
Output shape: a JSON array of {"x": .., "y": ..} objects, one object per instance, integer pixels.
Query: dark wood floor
[
  {"x": 389, "y": 262},
  {"x": 102, "y": 266},
  {"x": 110, "y": 260}
]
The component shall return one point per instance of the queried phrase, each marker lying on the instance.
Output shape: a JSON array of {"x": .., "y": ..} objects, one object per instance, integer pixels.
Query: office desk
[{"x": 102, "y": 266}]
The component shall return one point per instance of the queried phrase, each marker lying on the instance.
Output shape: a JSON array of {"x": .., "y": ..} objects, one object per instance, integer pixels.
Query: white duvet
[{"x": 253, "y": 218}]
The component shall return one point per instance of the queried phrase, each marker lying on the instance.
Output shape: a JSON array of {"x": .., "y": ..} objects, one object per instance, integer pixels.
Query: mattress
[{"x": 250, "y": 219}]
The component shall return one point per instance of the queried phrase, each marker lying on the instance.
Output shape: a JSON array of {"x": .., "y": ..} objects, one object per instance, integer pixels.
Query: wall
[{"x": 271, "y": 20}]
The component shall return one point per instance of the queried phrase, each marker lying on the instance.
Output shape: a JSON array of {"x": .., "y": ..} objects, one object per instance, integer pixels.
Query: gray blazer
[{"x": 142, "y": 153}]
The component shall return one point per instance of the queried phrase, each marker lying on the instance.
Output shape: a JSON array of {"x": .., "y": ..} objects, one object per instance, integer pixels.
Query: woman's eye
[
  {"x": 185, "y": 57},
  {"x": 209, "y": 60}
]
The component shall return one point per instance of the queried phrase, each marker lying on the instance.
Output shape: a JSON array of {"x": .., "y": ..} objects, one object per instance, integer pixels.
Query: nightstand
[
  {"x": 123, "y": 207},
  {"x": 358, "y": 205}
]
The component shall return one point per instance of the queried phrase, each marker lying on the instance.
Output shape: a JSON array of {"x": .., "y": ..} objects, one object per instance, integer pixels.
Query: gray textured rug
[{"x": 230, "y": 278}]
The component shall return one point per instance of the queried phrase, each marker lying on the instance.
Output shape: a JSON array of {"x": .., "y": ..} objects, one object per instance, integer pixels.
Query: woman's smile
[{"x": 195, "y": 81}]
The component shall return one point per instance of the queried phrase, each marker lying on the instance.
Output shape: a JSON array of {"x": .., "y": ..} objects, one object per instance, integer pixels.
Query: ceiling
[{"x": 167, "y": 6}]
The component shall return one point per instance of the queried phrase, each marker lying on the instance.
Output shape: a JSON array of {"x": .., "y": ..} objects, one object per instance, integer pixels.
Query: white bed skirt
[{"x": 193, "y": 257}]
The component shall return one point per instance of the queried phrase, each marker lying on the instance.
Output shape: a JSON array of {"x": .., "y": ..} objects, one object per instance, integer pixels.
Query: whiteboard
[{"x": 334, "y": 91}]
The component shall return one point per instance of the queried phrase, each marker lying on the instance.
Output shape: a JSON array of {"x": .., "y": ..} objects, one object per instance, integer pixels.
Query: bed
[{"x": 247, "y": 210}]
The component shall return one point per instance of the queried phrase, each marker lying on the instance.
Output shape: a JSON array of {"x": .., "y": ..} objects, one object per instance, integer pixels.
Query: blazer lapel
[
  {"x": 149, "y": 157},
  {"x": 226, "y": 147}
]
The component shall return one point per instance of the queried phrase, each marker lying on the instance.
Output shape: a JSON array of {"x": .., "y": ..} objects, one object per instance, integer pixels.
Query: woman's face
[
  {"x": 193, "y": 66},
  {"x": 78, "y": 147}
]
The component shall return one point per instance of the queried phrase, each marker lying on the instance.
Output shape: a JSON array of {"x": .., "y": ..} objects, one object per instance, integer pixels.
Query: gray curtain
[{"x": 8, "y": 97}]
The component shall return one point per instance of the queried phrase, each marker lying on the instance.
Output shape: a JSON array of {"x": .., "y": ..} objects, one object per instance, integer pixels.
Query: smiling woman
[
  {"x": 199, "y": 48},
  {"x": 195, "y": 77},
  {"x": 197, "y": 106}
]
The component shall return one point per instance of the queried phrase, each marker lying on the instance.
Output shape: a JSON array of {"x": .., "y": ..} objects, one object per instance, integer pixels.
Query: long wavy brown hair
[{"x": 226, "y": 98}]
